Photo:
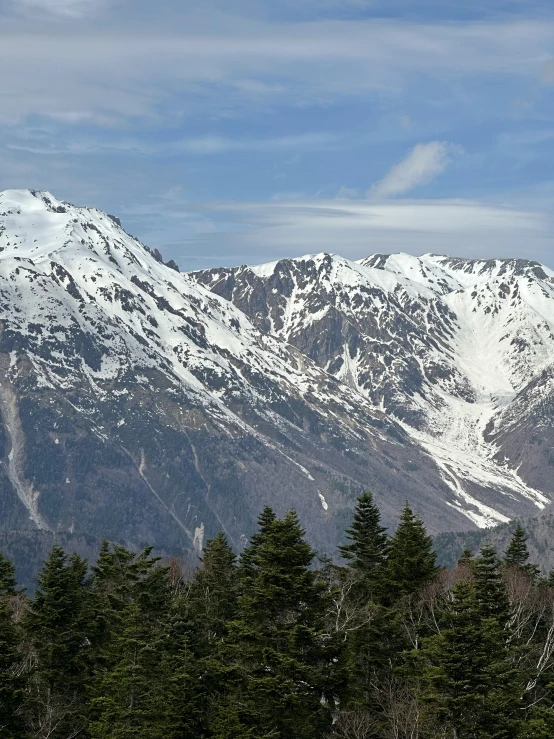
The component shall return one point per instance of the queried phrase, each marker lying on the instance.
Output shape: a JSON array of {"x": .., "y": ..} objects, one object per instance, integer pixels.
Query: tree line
[{"x": 281, "y": 644}]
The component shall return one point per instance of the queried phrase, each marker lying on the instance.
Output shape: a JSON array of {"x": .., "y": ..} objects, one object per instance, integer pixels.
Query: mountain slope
[
  {"x": 540, "y": 541},
  {"x": 458, "y": 351},
  {"x": 138, "y": 405}
]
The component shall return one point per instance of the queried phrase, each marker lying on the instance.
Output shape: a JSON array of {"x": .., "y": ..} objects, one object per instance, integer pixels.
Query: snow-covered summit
[
  {"x": 172, "y": 405},
  {"x": 445, "y": 345},
  {"x": 136, "y": 403}
]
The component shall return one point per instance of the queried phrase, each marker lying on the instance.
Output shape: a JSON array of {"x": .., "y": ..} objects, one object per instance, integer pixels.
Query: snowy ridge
[
  {"x": 173, "y": 405},
  {"x": 443, "y": 345},
  {"x": 75, "y": 269},
  {"x": 138, "y": 403}
]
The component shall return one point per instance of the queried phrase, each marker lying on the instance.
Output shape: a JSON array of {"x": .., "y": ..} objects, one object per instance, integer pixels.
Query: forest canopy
[{"x": 279, "y": 643}]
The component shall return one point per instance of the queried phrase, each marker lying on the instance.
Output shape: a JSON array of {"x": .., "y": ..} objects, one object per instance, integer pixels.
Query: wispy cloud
[
  {"x": 201, "y": 145},
  {"x": 423, "y": 163},
  {"x": 219, "y": 144},
  {"x": 63, "y": 8},
  {"x": 254, "y": 232},
  {"x": 133, "y": 73},
  {"x": 238, "y": 100}
]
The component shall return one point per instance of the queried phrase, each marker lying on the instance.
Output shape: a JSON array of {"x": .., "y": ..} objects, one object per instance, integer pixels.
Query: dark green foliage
[
  {"x": 360, "y": 586},
  {"x": 134, "y": 695},
  {"x": 273, "y": 647},
  {"x": 539, "y": 725},
  {"x": 466, "y": 558},
  {"x": 366, "y": 552},
  {"x": 12, "y": 681},
  {"x": 281, "y": 660},
  {"x": 471, "y": 685},
  {"x": 517, "y": 553},
  {"x": 212, "y": 599},
  {"x": 8, "y": 583},
  {"x": 57, "y": 628},
  {"x": 411, "y": 562},
  {"x": 201, "y": 619},
  {"x": 248, "y": 560},
  {"x": 489, "y": 588}
]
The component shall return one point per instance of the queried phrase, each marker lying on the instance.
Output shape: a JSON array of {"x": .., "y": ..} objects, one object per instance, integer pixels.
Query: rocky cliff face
[
  {"x": 140, "y": 405},
  {"x": 458, "y": 352}
]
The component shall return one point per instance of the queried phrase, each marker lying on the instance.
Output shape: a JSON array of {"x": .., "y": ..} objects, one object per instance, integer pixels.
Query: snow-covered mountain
[
  {"x": 459, "y": 352},
  {"x": 139, "y": 405}
]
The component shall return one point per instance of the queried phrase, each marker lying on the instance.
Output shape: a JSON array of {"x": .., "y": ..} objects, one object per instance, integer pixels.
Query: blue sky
[{"x": 240, "y": 132}]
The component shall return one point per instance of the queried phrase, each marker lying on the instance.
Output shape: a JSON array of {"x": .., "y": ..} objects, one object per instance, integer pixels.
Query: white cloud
[
  {"x": 203, "y": 145},
  {"x": 63, "y": 8},
  {"x": 136, "y": 72},
  {"x": 423, "y": 163},
  {"x": 219, "y": 144},
  {"x": 257, "y": 232}
]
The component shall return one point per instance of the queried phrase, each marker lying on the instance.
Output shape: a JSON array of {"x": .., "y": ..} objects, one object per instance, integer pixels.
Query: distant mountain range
[
  {"x": 155, "y": 407},
  {"x": 458, "y": 352}
]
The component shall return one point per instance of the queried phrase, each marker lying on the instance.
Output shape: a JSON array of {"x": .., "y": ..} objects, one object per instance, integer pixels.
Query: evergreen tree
[
  {"x": 121, "y": 577},
  {"x": 466, "y": 558},
  {"x": 366, "y": 552},
  {"x": 136, "y": 687},
  {"x": 56, "y": 625},
  {"x": 517, "y": 553},
  {"x": 189, "y": 683},
  {"x": 489, "y": 588},
  {"x": 212, "y": 599},
  {"x": 280, "y": 658},
  {"x": 359, "y": 586},
  {"x": 539, "y": 724},
  {"x": 267, "y": 648},
  {"x": 133, "y": 697},
  {"x": 471, "y": 686},
  {"x": 248, "y": 557},
  {"x": 200, "y": 624},
  {"x": 411, "y": 562},
  {"x": 8, "y": 583},
  {"x": 12, "y": 681}
]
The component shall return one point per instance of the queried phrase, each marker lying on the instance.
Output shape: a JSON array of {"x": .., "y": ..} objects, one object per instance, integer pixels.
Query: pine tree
[
  {"x": 367, "y": 551},
  {"x": 121, "y": 577},
  {"x": 200, "y": 622},
  {"x": 280, "y": 658},
  {"x": 12, "y": 681},
  {"x": 466, "y": 558},
  {"x": 489, "y": 588},
  {"x": 359, "y": 585},
  {"x": 212, "y": 599},
  {"x": 130, "y": 698},
  {"x": 248, "y": 557},
  {"x": 8, "y": 583},
  {"x": 189, "y": 683},
  {"x": 517, "y": 553},
  {"x": 137, "y": 685},
  {"x": 411, "y": 562},
  {"x": 57, "y": 627},
  {"x": 471, "y": 686}
]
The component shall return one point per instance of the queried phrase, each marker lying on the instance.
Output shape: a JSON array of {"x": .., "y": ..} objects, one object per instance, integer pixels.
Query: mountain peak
[{"x": 28, "y": 200}]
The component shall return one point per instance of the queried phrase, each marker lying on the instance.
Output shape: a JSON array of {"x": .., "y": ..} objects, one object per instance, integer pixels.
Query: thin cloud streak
[
  {"x": 219, "y": 144},
  {"x": 254, "y": 232},
  {"x": 130, "y": 75},
  {"x": 70, "y": 9},
  {"x": 202, "y": 145}
]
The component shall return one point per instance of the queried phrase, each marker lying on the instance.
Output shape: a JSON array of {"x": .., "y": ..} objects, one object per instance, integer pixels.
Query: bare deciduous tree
[{"x": 353, "y": 724}]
